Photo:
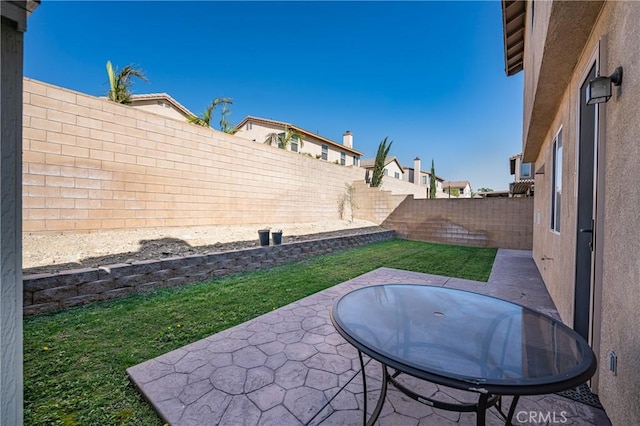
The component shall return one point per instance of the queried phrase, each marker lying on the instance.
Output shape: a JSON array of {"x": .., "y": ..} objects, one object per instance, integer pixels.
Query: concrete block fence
[{"x": 51, "y": 292}]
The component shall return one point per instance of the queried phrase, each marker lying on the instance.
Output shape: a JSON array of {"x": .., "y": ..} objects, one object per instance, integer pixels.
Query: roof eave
[
  {"x": 570, "y": 26},
  {"x": 514, "y": 13},
  {"x": 297, "y": 129}
]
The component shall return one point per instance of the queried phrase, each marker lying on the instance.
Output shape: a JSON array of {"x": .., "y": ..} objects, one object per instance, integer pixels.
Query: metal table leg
[{"x": 381, "y": 398}]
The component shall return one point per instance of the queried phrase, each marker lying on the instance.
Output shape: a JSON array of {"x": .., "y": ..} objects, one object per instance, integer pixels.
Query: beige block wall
[
  {"x": 617, "y": 266},
  {"x": 401, "y": 187},
  {"x": 90, "y": 164},
  {"x": 375, "y": 204},
  {"x": 487, "y": 222}
]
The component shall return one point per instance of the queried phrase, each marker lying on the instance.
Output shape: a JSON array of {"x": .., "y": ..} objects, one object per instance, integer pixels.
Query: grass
[{"x": 75, "y": 360}]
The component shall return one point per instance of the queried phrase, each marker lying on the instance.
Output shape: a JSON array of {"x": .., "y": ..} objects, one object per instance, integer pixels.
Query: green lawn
[{"x": 75, "y": 360}]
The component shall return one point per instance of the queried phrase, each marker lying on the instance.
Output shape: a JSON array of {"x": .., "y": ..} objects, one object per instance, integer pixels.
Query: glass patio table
[{"x": 462, "y": 340}]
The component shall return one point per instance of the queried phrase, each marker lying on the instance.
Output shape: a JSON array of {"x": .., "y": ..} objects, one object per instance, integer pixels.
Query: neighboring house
[
  {"x": 422, "y": 178},
  {"x": 258, "y": 129},
  {"x": 392, "y": 167},
  {"x": 586, "y": 153},
  {"x": 162, "y": 104},
  {"x": 523, "y": 183},
  {"x": 492, "y": 194},
  {"x": 463, "y": 188}
]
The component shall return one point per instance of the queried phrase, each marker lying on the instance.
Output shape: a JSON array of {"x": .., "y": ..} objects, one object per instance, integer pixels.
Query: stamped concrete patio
[{"x": 290, "y": 366}]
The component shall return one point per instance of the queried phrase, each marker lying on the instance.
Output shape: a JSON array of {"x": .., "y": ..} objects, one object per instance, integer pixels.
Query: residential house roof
[
  {"x": 426, "y": 173},
  {"x": 456, "y": 184},
  {"x": 162, "y": 97},
  {"x": 300, "y": 130},
  {"x": 368, "y": 163}
]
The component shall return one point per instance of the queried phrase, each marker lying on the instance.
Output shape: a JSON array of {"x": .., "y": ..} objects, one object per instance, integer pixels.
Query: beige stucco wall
[
  {"x": 166, "y": 109},
  {"x": 618, "y": 232},
  {"x": 258, "y": 132},
  {"x": 392, "y": 168},
  {"x": 91, "y": 164}
]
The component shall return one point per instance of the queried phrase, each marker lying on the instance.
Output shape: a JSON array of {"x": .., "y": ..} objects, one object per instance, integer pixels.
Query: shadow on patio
[{"x": 291, "y": 367}]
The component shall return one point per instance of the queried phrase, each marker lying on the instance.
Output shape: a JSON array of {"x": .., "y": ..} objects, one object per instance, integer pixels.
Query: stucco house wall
[
  {"x": 158, "y": 107},
  {"x": 609, "y": 33},
  {"x": 394, "y": 170},
  {"x": 257, "y": 131}
]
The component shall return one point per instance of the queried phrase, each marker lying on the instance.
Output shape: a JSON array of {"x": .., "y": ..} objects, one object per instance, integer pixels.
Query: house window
[
  {"x": 525, "y": 171},
  {"x": 249, "y": 126},
  {"x": 556, "y": 182},
  {"x": 355, "y": 160},
  {"x": 294, "y": 144},
  {"x": 386, "y": 172},
  {"x": 325, "y": 152},
  {"x": 424, "y": 180},
  {"x": 396, "y": 175},
  {"x": 280, "y": 139},
  {"x": 343, "y": 158}
]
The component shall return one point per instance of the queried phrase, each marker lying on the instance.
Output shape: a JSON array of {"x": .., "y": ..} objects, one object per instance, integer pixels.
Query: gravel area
[{"x": 56, "y": 253}]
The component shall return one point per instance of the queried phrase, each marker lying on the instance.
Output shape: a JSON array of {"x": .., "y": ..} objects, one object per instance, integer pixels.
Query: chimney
[
  {"x": 347, "y": 139},
  {"x": 416, "y": 171}
]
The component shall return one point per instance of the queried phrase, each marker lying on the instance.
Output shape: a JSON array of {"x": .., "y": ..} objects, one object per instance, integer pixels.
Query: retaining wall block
[
  {"x": 38, "y": 282},
  {"x": 48, "y": 292},
  {"x": 79, "y": 300},
  {"x": 96, "y": 287},
  {"x": 203, "y": 276},
  {"x": 162, "y": 275},
  {"x": 220, "y": 273},
  {"x": 78, "y": 276},
  {"x": 175, "y": 262},
  {"x": 117, "y": 293},
  {"x": 149, "y": 287},
  {"x": 176, "y": 282},
  {"x": 145, "y": 266},
  {"x": 27, "y": 298},
  {"x": 54, "y": 294},
  {"x": 40, "y": 308},
  {"x": 132, "y": 280},
  {"x": 114, "y": 271}
]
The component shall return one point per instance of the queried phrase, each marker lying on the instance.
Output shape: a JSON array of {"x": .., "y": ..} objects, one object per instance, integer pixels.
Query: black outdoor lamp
[{"x": 599, "y": 89}]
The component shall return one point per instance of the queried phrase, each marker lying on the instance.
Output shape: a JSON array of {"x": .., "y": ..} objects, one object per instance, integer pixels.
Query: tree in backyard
[
  {"x": 485, "y": 190},
  {"x": 378, "y": 165},
  {"x": 283, "y": 139},
  {"x": 120, "y": 82},
  {"x": 225, "y": 125},
  {"x": 453, "y": 191},
  {"x": 432, "y": 181},
  {"x": 204, "y": 120}
]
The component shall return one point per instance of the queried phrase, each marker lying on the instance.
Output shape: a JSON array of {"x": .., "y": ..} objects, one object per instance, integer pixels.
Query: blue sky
[{"x": 429, "y": 75}]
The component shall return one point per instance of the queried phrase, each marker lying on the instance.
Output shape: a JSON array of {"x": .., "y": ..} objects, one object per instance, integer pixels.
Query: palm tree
[
  {"x": 378, "y": 165},
  {"x": 284, "y": 139},
  {"x": 205, "y": 119},
  {"x": 225, "y": 125},
  {"x": 120, "y": 81}
]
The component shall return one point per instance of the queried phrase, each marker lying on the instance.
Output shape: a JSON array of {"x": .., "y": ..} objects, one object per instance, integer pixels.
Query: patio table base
[{"x": 485, "y": 400}]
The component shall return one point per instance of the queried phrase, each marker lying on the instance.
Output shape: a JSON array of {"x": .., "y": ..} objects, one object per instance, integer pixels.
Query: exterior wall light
[{"x": 599, "y": 89}]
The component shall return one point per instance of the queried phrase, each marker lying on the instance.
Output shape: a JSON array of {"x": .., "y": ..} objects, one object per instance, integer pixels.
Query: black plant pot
[
  {"x": 264, "y": 237},
  {"x": 277, "y": 238}
]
